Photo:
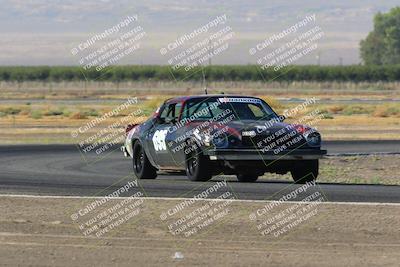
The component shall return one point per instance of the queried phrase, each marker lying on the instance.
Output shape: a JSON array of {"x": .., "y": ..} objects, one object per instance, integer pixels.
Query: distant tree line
[{"x": 352, "y": 73}]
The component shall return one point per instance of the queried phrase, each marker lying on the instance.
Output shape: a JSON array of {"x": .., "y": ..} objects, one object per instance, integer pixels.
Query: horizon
[{"x": 42, "y": 33}]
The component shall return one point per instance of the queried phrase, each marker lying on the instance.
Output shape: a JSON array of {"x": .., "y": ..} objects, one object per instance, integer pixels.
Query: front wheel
[
  {"x": 198, "y": 167},
  {"x": 305, "y": 171},
  {"x": 141, "y": 164}
]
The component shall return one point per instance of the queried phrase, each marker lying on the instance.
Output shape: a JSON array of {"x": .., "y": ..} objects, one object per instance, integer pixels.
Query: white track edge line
[{"x": 181, "y": 198}]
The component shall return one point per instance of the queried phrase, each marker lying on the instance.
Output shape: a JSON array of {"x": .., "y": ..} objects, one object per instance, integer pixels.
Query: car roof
[{"x": 185, "y": 98}]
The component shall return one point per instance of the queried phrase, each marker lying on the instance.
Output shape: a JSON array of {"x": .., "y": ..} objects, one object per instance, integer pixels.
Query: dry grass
[
  {"x": 98, "y": 90},
  {"x": 273, "y": 102},
  {"x": 341, "y": 121},
  {"x": 41, "y": 123},
  {"x": 387, "y": 111},
  {"x": 24, "y": 129},
  {"x": 372, "y": 169}
]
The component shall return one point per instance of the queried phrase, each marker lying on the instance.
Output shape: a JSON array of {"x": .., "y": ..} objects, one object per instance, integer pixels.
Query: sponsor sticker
[{"x": 238, "y": 100}]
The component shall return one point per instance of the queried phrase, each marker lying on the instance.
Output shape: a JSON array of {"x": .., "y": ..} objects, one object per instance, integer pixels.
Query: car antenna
[{"x": 204, "y": 82}]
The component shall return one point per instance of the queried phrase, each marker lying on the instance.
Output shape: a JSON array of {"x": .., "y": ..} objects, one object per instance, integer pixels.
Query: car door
[{"x": 162, "y": 134}]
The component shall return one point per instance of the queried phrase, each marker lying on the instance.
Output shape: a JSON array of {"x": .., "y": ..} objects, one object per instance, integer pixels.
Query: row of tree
[{"x": 355, "y": 73}]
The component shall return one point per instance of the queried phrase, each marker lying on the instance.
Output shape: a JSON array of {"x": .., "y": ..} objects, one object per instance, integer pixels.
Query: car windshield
[{"x": 241, "y": 108}]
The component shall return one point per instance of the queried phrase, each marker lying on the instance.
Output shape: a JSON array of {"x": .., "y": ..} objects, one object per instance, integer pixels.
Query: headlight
[
  {"x": 204, "y": 138},
  {"x": 216, "y": 139},
  {"x": 313, "y": 139},
  {"x": 207, "y": 139},
  {"x": 220, "y": 141}
]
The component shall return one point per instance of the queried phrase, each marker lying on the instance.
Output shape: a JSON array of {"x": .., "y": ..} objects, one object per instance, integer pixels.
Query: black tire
[
  {"x": 305, "y": 171},
  {"x": 247, "y": 178},
  {"x": 141, "y": 164},
  {"x": 198, "y": 167}
]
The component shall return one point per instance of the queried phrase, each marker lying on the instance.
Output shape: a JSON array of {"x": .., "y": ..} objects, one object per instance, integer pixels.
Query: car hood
[
  {"x": 260, "y": 127},
  {"x": 236, "y": 127}
]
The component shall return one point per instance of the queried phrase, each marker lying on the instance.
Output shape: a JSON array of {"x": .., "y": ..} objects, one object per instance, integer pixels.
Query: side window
[
  {"x": 178, "y": 108},
  {"x": 186, "y": 109},
  {"x": 171, "y": 111},
  {"x": 202, "y": 110},
  {"x": 164, "y": 113},
  {"x": 185, "y": 112},
  {"x": 257, "y": 111}
]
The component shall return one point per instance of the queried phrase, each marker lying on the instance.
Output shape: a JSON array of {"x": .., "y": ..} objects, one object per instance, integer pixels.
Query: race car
[{"x": 208, "y": 135}]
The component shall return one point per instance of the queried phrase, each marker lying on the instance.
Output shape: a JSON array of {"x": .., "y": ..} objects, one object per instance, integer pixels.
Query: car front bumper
[
  {"x": 253, "y": 154},
  {"x": 125, "y": 151}
]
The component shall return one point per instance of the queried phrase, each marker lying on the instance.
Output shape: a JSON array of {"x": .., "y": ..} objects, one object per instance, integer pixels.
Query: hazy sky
[{"x": 43, "y": 32}]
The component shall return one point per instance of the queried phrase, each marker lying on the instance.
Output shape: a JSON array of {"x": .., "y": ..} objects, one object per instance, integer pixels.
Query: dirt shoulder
[
  {"x": 37, "y": 231},
  {"x": 370, "y": 169}
]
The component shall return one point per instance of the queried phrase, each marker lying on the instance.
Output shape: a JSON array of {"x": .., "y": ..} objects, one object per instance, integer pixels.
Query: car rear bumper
[{"x": 253, "y": 154}]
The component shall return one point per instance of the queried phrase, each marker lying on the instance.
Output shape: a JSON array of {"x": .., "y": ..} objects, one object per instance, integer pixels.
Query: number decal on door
[{"x": 159, "y": 140}]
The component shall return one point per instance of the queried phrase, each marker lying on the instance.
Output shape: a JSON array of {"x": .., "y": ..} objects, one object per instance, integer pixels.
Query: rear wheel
[
  {"x": 198, "y": 167},
  {"x": 305, "y": 171},
  {"x": 141, "y": 164},
  {"x": 247, "y": 178}
]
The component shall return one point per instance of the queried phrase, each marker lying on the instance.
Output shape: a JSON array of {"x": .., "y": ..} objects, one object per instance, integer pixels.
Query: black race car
[{"x": 208, "y": 135}]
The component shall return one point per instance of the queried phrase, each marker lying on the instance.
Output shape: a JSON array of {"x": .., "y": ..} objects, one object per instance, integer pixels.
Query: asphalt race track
[{"x": 63, "y": 170}]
